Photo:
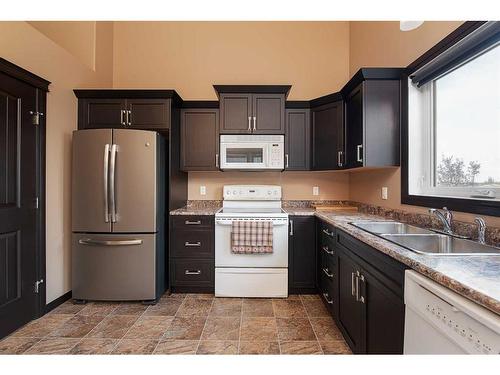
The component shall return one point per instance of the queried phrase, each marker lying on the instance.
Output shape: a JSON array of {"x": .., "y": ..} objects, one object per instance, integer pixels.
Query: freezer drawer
[{"x": 114, "y": 267}]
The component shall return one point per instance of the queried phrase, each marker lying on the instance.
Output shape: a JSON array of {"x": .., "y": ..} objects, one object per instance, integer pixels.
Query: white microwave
[{"x": 252, "y": 152}]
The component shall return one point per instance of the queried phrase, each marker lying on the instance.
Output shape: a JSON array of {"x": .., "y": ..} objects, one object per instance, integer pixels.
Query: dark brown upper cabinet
[
  {"x": 372, "y": 118},
  {"x": 297, "y": 139},
  {"x": 199, "y": 139},
  {"x": 135, "y": 109},
  {"x": 252, "y": 109},
  {"x": 328, "y": 136}
]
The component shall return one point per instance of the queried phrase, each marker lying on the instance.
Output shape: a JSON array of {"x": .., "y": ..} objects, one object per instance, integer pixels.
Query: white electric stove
[{"x": 251, "y": 275}]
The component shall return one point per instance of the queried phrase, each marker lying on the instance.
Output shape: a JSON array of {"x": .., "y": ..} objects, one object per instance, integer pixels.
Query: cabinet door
[
  {"x": 351, "y": 314},
  {"x": 236, "y": 113},
  {"x": 301, "y": 255},
  {"x": 268, "y": 114},
  {"x": 101, "y": 113},
  {"x": 297, "y": 140},
  {"x": 199, "y": 139},
  {"x": 385, "y": 313},
  {"x": 148, "y": 113},
  {"x": 354, "y": 128},
  {"x": 327, "y": 135}
]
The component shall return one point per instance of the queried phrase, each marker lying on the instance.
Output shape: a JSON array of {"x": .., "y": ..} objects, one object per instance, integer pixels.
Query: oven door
[
  {"x": 225, "y": 258},
  {"x": 244, "y": 155}
]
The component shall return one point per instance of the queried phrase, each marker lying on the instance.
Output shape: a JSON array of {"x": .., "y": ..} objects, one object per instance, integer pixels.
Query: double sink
[{"x": 424, "y": 241}]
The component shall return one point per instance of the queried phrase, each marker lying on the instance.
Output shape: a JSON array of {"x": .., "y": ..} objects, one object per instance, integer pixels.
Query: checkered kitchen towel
[{"x": 251, "y": 237}]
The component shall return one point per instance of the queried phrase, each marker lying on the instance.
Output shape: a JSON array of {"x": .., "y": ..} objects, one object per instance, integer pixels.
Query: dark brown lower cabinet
[
  {"x": 301, "y": 255},
  {"x": 192, "y": 256}
]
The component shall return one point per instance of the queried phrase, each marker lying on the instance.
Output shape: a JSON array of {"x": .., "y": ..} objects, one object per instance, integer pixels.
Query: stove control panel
[{"x": 252, "y": 192}]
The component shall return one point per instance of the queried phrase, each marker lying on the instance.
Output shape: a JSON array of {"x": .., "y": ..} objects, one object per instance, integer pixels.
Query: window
[{"x": 453, "y": 133}]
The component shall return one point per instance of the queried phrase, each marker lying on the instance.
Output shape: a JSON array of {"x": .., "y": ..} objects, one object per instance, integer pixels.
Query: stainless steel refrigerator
[{"x": 118, "y": 214}]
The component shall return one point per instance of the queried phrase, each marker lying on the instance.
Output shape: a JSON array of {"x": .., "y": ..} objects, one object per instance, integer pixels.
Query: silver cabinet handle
[
  {"x": 286, "y": 160},
  {"x": 217, "y": 160},
  {"x": 325, "y": 231},
  {"x": 358, "y": 153},
  {"x": 326, "y": 271},
  {"x": 122, "y": 113},
  {"x": 112, "y": 170},
  {"x": 91, "y": 242},
  {"x": 359, "y": 297},
  {"x": 197, "y": 222},
  {"x": 329, "y": 301},
  {"x": 291, "y": 227},
  {"x": 106, "y": 175},
  {"x": 339, "y": 158},
  {"x": 188, "y": 272},
  {"x": 249, "y": 123},
  {"x": 254, "y": 123},
  {"x": 129, "y": 118},
  {"x": 192, "y": 244},
  {"x": 353, "y": 286},
  {"x": 325, "y": 249}
]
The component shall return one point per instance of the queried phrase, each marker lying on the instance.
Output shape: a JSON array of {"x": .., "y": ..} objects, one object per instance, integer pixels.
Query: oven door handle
[{"x": 229, "y": 223}]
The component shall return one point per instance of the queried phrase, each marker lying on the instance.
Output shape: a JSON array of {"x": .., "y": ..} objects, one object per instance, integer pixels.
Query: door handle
[
  {"x": 197, "y": 222},
  {"x": 353, "y": 285},
  {"x": 188, "y": 272},
  {"x": 327, "y": 273},
  {"x": 325, "y": 249},
  {"x": 286, "y": 158},
  {"x": 359, "y": 297},
  {"x": 249, "y": 123},
  {"x": 91, "y": 242},
  {"x": 339, "y": 158},
  {"x": 291, "y": 227},
  {"x": 112, "y": 170},
  {"x": 217, "y": 160},
  {"x": 122, "y": 113},
  {"x": 358, "y": 153},
  {"x": 329, "y": 301},
  {"x": 106, "y": 175},
  {"x": 129, "y": 118},
  {"x": 325, "y": 231},
  {"x": 192, "y": 244},
  {"x": 254, "y": 123}
]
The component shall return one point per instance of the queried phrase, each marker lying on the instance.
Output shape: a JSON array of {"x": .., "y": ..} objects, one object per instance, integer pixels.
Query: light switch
[
  {"x": 384, "y": 192},
  {"x": 203, "y": 190},
  {"x": 315, "y": 190}
]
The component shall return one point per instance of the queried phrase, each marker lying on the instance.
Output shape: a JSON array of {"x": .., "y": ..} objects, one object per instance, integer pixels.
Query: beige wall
[
  {"x": 296, "y": 185},
  {"x": 25, "y": 46},
  {"x": 192, "y": 56},
  {"x": 382, "y": 44}
]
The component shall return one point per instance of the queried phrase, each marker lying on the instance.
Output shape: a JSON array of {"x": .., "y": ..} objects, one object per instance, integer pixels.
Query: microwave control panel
[{"x": 276, "y": 155}]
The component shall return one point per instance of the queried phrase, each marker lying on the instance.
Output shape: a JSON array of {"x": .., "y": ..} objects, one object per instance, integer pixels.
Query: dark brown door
[
  {"x": 236, "y": 114},
  {"x": 354, "y": 128},
  {"x": 199, "y": 139},
  {"x": 327, "y": 135},
  {"x": 101, "y": 113},
  {"x": 351, "y": 312},
  {"x": 268, "y": 114},
  {"x": 18, "y": 145},
  {"x": 148, "y": 113},
  {"x": 301, "y": 255},
  {"x": 297, "y": 140}
]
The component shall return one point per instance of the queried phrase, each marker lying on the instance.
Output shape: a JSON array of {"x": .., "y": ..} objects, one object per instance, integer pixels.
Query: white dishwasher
[{"x": 439, "y": 321}]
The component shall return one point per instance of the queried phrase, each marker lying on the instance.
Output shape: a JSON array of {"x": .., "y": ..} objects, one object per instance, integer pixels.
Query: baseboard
[{"x": 58, "y": 301}]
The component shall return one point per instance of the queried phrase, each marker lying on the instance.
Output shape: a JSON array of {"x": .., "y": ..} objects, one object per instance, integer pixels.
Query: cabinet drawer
[
  {"x": 193, "y": 243},
  {"x": 190, "y": 222},
  {"x": 193, "y": 272},
  {"x": 326, "y": 288}
]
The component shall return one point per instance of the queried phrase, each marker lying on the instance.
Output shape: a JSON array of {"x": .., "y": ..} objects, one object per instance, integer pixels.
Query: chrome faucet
[
  {"x": 445, "y": 216},
  {"x": 481, "y": 229}
]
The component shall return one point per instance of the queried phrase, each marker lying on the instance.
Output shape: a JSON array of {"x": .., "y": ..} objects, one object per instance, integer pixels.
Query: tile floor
[{"x": 183, "y": 324}]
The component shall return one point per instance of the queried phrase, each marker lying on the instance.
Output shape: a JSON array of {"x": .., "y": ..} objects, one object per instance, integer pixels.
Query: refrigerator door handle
[
  {"x": 91, "y": 242},
  {"x": 106, "y": 175},
  {"x": 112, "y": 170}
]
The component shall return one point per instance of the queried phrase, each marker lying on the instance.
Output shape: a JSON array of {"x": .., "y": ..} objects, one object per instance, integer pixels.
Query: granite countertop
[{"x": 474, "y": 277}]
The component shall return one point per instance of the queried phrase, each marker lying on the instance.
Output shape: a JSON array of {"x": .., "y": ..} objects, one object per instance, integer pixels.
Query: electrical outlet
[
  {"x": 315, "y": 190},
  {"x": 203, "y": 190},
  {"x": 384, "y": 192}
]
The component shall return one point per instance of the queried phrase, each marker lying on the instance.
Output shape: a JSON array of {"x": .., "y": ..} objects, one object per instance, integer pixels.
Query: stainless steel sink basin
[
  {"x": 440, "y": 244},
  {"x": 389, "y": 227}
]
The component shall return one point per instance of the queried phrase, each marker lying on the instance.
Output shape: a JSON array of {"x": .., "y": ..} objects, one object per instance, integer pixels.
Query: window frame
[{"x": 471, "y": 205}]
